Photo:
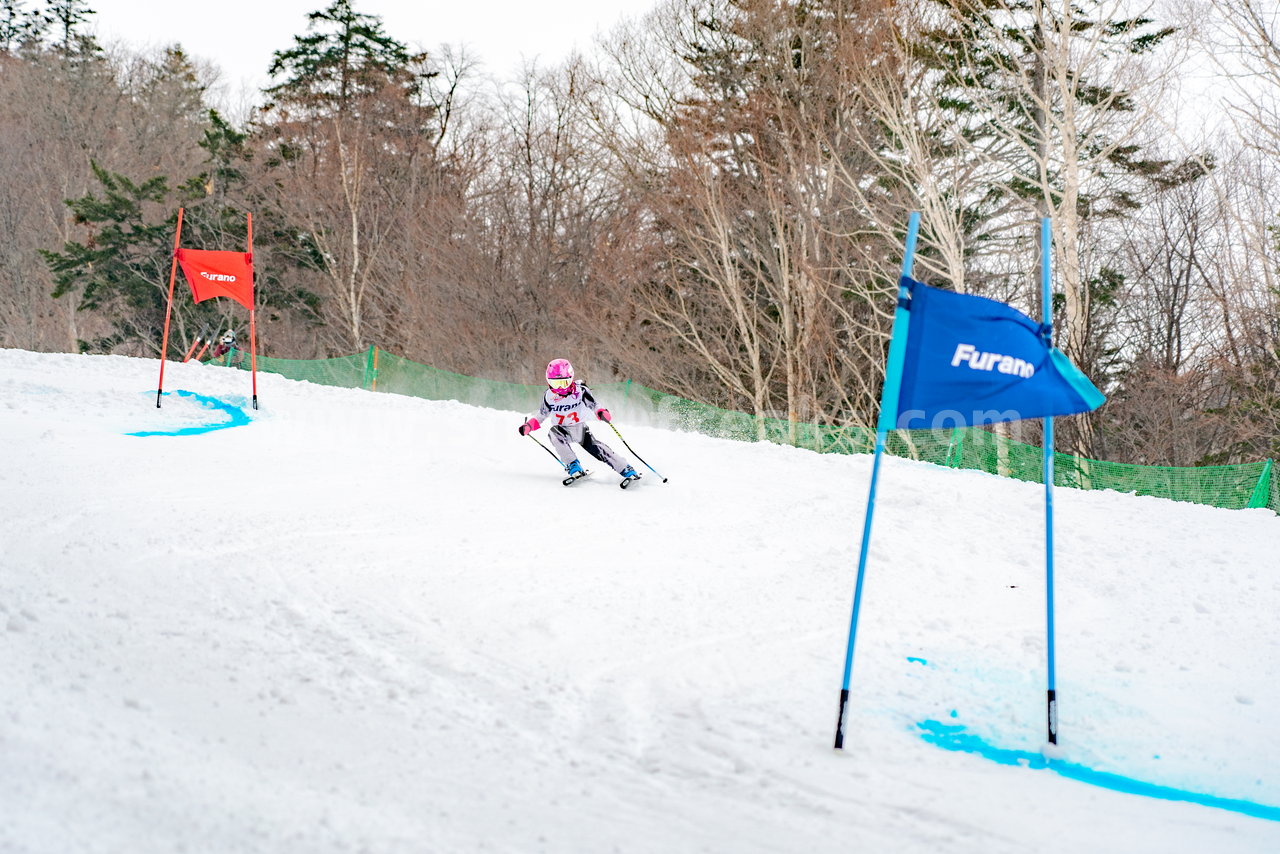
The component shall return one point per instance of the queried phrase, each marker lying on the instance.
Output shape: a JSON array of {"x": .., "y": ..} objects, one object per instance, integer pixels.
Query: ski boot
[{"x": 575, "y": 472}]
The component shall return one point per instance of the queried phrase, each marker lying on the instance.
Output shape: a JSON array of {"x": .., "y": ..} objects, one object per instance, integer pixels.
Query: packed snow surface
[{"x": 365, "y": 622}]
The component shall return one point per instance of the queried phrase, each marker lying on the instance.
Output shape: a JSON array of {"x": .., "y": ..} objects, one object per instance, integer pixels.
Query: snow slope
[{"x": 372, "y": 623}]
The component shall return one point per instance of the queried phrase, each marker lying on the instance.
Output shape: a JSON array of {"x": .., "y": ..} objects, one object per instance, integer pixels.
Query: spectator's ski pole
[
  {"x": 548, "y": 450},
  {"x": 633, "y": 452}
]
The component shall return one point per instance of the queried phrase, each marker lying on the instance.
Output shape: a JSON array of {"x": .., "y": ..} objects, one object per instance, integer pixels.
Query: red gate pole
[
  {"x": 168, "y": 309},
  {"x": 253, "y": 334}
]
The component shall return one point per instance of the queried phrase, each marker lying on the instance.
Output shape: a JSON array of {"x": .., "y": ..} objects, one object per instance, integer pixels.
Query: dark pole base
[
  {"x": 1052, "y": 710},
  {"x": 844, "y": 703},
  {"x": 255, "y": 401},
  {"x": 158, "y": 393}
]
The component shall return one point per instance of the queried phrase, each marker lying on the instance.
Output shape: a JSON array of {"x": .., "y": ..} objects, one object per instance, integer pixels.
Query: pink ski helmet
[{"x": 560, "y": 376}]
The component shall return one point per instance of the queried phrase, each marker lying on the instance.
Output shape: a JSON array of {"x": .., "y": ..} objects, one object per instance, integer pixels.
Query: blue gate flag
[{"x": 970, "y": 360}]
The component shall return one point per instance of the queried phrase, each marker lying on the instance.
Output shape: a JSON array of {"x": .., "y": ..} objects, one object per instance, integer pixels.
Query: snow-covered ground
[{"x": 372, "y": 623}]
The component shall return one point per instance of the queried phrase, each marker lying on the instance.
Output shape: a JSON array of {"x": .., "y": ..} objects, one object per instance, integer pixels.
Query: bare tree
[
  {"x": 767, "y": 272},
  {"x": 1045, "y": 98},
  {"x": 57, "y": 113},
  {"x": 1243, "y": 38},
  {"x": 349, "y": 128}
]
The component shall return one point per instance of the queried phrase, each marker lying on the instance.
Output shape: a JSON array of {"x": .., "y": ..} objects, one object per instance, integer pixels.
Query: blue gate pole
[
  {"x": 887, "y": 419},
  {"x": 1046, "y": 296}
]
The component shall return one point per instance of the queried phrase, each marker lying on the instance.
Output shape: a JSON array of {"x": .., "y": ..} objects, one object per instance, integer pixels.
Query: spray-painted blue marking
[
  {"x": 917, "y": 660},
  {"x": 953, "y": 737},
  {"x": 236, "y": 417}
]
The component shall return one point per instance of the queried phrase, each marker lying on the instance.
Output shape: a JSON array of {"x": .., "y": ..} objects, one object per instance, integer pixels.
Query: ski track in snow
[{"x": 373, "y": 623}]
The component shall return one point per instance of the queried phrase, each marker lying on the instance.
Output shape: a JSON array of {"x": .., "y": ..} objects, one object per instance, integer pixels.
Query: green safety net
[
  {"x": 1248, "y": 485},
  {"x": 344, "y": 371}
]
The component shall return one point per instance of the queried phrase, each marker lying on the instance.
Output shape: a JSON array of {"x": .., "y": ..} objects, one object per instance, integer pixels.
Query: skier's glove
[
  {"x": 529, "y": 426},
  {"x": 603, "y": 415}
]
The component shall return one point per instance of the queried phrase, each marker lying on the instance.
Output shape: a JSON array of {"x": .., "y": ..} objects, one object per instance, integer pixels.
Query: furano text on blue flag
[{"x": 970, "y": 360}]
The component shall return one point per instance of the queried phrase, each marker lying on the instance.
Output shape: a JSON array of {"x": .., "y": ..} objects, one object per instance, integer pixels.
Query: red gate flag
[
  {"x": 213, "y": 274},
  {"x": 218, "y": 274}
]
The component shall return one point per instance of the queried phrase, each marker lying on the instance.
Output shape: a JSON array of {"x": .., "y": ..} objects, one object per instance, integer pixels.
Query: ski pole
[
  {"x": 548, "y": 450},
  {"x": 633, "y": 452}
]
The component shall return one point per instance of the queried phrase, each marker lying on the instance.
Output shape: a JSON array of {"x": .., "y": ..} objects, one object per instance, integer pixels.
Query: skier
[{"x": 568, "y": 406}]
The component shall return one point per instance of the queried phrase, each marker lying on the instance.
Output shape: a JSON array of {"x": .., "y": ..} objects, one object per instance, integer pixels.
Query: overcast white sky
[{"x": 240, "y": 35}]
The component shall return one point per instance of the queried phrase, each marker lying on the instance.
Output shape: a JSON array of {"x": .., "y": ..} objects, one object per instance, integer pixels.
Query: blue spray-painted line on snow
[
  {"x": 953, "y": 737},
  {"x": 236, "y": 417},
  {"x": 912, "y": 658}
]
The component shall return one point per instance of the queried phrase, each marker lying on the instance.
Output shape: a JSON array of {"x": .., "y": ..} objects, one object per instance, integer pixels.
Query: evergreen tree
[
  {"x": 228, "y": 153},
  {"x": 351, "y": 146},
  {"x": 994, "y": 62},
  {"x": 67, "y": 20},
  {"x": 121, "y": 270},
  {"x": 1045, "y": 96},
  {"x": 18, "y": 27},
  {"x": 122, "y": 267},
  {"x": 345, "y": 58}
]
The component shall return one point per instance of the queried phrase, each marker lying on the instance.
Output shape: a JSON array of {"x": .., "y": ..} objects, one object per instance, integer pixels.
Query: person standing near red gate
[{"x": 227, "y": 345}]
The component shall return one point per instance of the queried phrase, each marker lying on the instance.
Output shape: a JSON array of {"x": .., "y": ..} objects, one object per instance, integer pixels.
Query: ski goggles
[{"x": 560, "y": 384}]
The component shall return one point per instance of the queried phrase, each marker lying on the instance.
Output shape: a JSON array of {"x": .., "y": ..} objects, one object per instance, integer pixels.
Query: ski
[
  {"x": 573, "y": 478},
  {"x": 627, "y": 481}
]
